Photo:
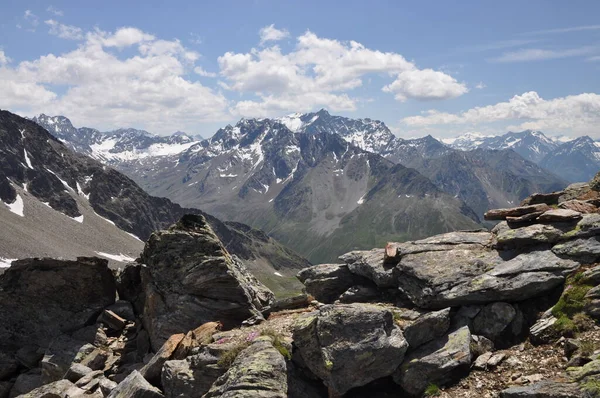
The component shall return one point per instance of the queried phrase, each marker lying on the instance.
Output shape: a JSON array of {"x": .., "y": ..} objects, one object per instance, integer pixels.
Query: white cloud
[
  {"x": 97, "y": 85},
  {"x": 271, "y": 33},
  {"x": 425, "y": 84},
  {"x": 64, "y": 31},
  {"x": 30, "y": 20},
  {"x": 573, "y": 114},
  {"x": 199, "y": 70},
  {"x": 537, "y": 54},
  {"x": 4, "y": 59},
  {"x": 480, "y": 86},
  {"x": 55, "y": 11},
  {"x": 319, "y": 72}
]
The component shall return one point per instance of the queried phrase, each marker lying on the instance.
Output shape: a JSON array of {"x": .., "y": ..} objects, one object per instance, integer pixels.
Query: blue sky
[{"x": 423, "y": 67}]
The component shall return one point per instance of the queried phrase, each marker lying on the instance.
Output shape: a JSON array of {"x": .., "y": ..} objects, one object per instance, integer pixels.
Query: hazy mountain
[{"x": 575, "y": 161}]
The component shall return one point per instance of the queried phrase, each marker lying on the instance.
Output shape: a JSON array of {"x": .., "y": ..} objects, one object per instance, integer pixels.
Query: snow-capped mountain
[
  {"x": 532, "y": 145},
  {"x": 118, "y": 146},
  {"x": 576, "y": 161}
]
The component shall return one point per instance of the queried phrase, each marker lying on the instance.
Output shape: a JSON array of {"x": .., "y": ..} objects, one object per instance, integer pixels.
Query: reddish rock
[
  {"x": 501, "y": 214},
  {"x": 579, "y": 206},
  {"x": 559, "y": 215}
]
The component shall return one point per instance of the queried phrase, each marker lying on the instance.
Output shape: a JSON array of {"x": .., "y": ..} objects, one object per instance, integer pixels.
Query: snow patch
[
  {"x": 61, "y": 180},
  {"x": 133, "y": 236},
  {"x": 78, "y": 219},
  {"x": 361, "y": 200},
  {"x": 117, "y": 257},
  {"x": 17, "y": 206},
  {"x": 277, "y": 273},
  {"x": 6, "y": 262},
  {"x": 27, "y": 160}
]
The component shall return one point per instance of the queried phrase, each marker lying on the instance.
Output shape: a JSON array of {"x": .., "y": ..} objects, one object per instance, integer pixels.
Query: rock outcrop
[{"x": 191, "y": 279}]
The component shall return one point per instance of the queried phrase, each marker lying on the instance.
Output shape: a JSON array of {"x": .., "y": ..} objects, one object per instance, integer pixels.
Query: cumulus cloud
[
  {"x": 574, "y": 114},
  {"x": 4, "y": 58},
  {"x": 97, "y": 85},
  {"x": 199, "y": 70},
  {"x": 64, "y": 31},
  {"x": 271, "y": 33},
  {"x": 318, "y": 72}
]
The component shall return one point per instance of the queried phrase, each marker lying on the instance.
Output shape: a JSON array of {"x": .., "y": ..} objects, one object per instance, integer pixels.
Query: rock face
[
  {"x": 348, "y": 346},
  {"x": 439, "y": 362},
  {"x": 191, "y": 279},
  {"x": 44, "y": 298},
  {"x": 258, "y": 371},
  {"x": 326, "y": 282}
]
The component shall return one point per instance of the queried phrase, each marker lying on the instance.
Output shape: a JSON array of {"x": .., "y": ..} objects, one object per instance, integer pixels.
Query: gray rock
[
  {"x": 582, "y": 250},
  {"x": 135, "y": 386},
  {"x": 440, "y": 362},
  {"x": 62, "y": 353},
  {"x": 458, "y": 277},
  {"x": 258, "y": 371},
  {"x": 481, "y": 362},
  {"x": 76, "y": 372},
  {"x": 493, "y": 319},
  {"x": 543, "y": 389},
  {"x": 191, "y": 377},
  {"x": 591, "y": 276},
  {"x": 8, "y": 366},
  {"x": 481, "y": 345},
  {"x": 152, "y": 370},
  {"x": 542, "y": 332},
  {"x": 360, "y": 294},
  {"x": 26, "y": 382},
  {"x": 129, "y": 286},
  {"x": 290, "y": 303},
  {"x": 61, "y": 388},
  {"x": 326, "y": 282},
  {"x": 112, "y": 320},
  {"x": 96, "y": 359},
  {"x": 579, "y": 206},
  {"x": 574, "y": 191},
  {"x": 535, "y": 234},
  {"x": 29, "y": 356},
  {"x": 91, "y": 334},
  {"x": 124, "y": 309},
  {"x": 43, "y": 298},
  {"x": 348, "y": 346},
  {"x": 370, "y": 264},
  {"x": 559, "y": 215},
  {"x": 191, "y": 279},
  {"x": 5, "y": 387},
  {"x": 427, "y": 327},
  {"x": 501, "y": 214},
  {"x": 106, "y": 386},
  {"x": 589, "y": 369}
]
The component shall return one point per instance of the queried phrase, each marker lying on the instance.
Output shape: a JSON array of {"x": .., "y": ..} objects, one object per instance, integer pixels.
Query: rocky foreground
[{"x": 509, "y": 312}]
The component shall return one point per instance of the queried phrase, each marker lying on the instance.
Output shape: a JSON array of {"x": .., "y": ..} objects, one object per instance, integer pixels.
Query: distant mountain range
[
  {"x": 59, "y": 203},
  {"x": 574, "y": 160},
  {"x": 319, "y": 183}
]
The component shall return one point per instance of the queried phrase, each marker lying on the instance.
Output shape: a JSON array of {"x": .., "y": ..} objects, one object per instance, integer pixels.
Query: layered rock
[
  {"x": 41, "y": 299},
  {"x": 191, "y": 279}
]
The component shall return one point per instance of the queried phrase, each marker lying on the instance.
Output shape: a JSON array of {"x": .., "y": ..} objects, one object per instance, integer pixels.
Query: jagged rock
[
  {"x": 583, "y": 250},
  {"x": 427, "y": 327},
  {"x": 574, "y": 191},
  {"x": 151, "y": 371},
  {"x": 481, "y": 345},
  {"x": 112, "y": 320},
  {"x": 501, "y": 214},
  {"x": 191, "y": 279},
  {"x": 96, "y": 359},
  {"x": 543, "y": 389},
  {"x": 135, "y": 386},
  {"x": 371, "y": 265},
  {"x": 542, "y": 332},
  {"x": 26, "y": 382},
  {"x": 493, "y": 319},
  {"x": 90, "y": 380},
  {"x": 191, "y": 377},
  {"x": 537, "y": 198},
  {"x": 482, "y": 361},
  {"x": 91, "y": 334},
  {"x": 129, "y": 286},
  {"x": 349, "y": 345},
  {"x": 526, "y": 218},
  {"x": 591, "y": 276},
  {"x": 592, "y": 302},
  {"x": 106, "y": 386},
  {"x": 326, "y": 282},
  {"x": 42, "y": 298},
  {"x": 29, "y": 356},
  {"x": 76, "y": 372},
  {"x": 526, "y": 236},
  {"x": 579, "y": 206},
  {"x": 258, "y": 371},
  {"x": 589, "y": 225},
  {"x": 477, "y": 276},
  {"x": 439, "y": 362},
  {"x": 61, "y": 388},
  {"x": 360, "y": 294},
  {"x": 571, "y": 346},
  {"x": 496, "y": 359},
  {"x": 559, "y": 215},
  {"x": 124, "y": 309},
  {"x": 595, "y": 183},
  {"x": 290, "y": 303},
  {"x": 62, "y": 352}
]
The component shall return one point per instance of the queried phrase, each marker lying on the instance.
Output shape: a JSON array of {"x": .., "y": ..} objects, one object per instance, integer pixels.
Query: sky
[{"x": 423, "y": 67}]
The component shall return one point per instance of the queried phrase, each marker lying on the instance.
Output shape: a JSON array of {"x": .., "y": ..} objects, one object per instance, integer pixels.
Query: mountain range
[{"x": 323, "y": 184}]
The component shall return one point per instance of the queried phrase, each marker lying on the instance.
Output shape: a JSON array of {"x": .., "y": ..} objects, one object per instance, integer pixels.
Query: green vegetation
[
  {"x": 569, "y": 309},
  {"x": 587, "y": 348},
  {"x": 278, "y": 342},
  {"x": 432, "y": 390},
  {"x": 226, "y": 359},
  {"x": 591, "y": 388}
]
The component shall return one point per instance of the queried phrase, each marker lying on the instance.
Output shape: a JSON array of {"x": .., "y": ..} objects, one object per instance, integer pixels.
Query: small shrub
[
  {"x": 226, "y": 359},
  {"x": 278, "y": 342},
  {"x": 432, "y": 390},
  {"x": 587, "y": 348},
  {"x": 591, "y": 388},
  {"x": 565, "y": 326},
  {"x": 583, "y": 322}
]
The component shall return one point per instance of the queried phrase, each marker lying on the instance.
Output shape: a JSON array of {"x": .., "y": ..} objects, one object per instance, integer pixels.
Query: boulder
[
  {"x": 290, "y": 303},
  {"x": 371, "y": 265},
  {"x": 526, "y": 218},
  {"x": 76, "y": 372},
  {"x": 326, "y": 282},
  {"x": 427, "y": 327},
  {"x": 135, "y": 386},
  {"x": 537, "y": 198},
  {"x": 258, "y": 371},
  {"x": 360, "y": 294},
  {"x": 440, "y": 279},
  {"x": 29, "y": 356},
  {"x": 542, "y": 331},
  {"x": 543, "y": 389},
  {"x": 43, "y": 298},
  {"x": 589, "y": 369},
  {"x": 579, "y": 206},
  {"x": 26, "y": 382},
  {"x": 151, "y": 371},
  {"x": 61, "y": 388},
  {"x": 112, "y": 320},
  {"x": 439, "y": 362},
  {"x": 493, "y": 319},
  {"x": 576, "y": 190},
  {"x": 584, "y": 250},
  {"x": 191, "y": 377},
  {"x": 191, "y": 279},
  {"x": 61, "y": 354},
  {"x": 501, "y": 214},
  {"x": 591, "y": 276},
  {"x": 124, "y": 309},
  {"x": 8, "y": 366},
  {"x": 349, "y": 345},
  {"x": 129, "y": 286},
  {"x": 559, "y": 215},
  {"x": 535, "y": 234}
]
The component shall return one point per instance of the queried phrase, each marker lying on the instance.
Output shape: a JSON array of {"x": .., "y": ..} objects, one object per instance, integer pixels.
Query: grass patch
[
  {"x": 572, "y": 300},
  {"x": 278, "y": 342},
  {"x": 226, "y": 359},
  {"x": 432, "y": 390},
  {"x": 587, "y": 348},
  {"x": 591, "y": 388}
]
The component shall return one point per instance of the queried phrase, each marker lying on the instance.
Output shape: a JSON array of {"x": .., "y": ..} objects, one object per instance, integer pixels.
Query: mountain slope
[
  {"x": 576, "y": 160},
  {"x": 313, "y": 191},
  {"x": 60, "y": 189}
]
